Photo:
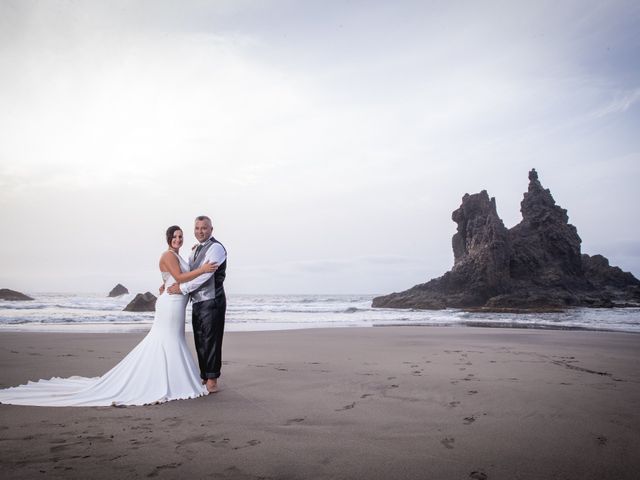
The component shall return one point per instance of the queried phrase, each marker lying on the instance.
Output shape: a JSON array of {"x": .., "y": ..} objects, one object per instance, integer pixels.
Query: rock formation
[
  {"x": 118, "y": 290},
  {"x": 12, "y": 295},
  {"x": 537, "y": 264},
  {"x": 142, "y": 303}
]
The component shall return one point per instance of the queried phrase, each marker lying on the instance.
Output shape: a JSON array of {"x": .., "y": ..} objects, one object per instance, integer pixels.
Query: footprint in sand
[
  {"x": 195, "y": 439},
  {"x": 453, "y": 404},
  {"x": 469, "y": 420},
  {"x": 478, "y": 476},
  {"x": 448, "y": 442},
  {"x": 472, "y": 392},
  {"x": 602, "y": 440},
  {"x": 346, "y": 407},
  {"x": 159, "y": 468},
  {"x": 250, "y": 443},
  {"x": 294, "y": 420},
  {"x": 175, "y": 421}
]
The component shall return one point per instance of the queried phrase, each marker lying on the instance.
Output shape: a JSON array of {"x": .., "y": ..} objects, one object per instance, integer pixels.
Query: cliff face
[
  {"x": 546, "y": 247},
  {"x": 480, "y": 247},
  {"x": 536, "y": 264}
]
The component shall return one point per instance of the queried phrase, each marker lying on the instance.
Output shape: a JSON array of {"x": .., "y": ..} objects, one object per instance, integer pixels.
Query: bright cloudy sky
[{"x": 329, "y": 140}]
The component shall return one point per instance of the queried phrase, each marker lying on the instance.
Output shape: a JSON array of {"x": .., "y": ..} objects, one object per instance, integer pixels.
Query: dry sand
[{"x": 357, "y": 403}]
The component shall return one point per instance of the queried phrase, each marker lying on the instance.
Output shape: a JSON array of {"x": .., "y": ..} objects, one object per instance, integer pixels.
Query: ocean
[{"x": 98, "y": 313}]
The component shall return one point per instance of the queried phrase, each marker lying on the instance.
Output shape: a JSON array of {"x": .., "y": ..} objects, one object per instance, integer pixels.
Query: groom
[{"x": 209, "y": 302}]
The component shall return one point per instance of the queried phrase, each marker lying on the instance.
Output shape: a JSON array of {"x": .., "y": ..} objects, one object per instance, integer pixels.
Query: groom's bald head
[
  {"x": 203, "y": 228},
  {"x": 203, "y": 218}
]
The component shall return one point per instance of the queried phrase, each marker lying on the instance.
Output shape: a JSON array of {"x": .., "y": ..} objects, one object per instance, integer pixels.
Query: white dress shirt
[{"x": 215, "y": 254}]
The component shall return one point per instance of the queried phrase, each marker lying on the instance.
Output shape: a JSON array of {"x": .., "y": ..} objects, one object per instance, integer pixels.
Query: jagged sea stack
[
  {"x": 535, "y": 265},
  {"x": 545, "y": 246}
]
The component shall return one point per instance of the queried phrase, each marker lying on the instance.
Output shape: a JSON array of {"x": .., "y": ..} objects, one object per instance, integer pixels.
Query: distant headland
[{"x": 536, "y": 265}]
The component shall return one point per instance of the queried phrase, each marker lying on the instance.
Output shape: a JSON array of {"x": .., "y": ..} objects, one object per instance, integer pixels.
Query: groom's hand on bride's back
[{"x": 175, "y": 288}]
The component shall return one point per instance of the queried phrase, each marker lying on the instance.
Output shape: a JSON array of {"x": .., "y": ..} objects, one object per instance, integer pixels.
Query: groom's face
[{"x": 202, "y": 230}]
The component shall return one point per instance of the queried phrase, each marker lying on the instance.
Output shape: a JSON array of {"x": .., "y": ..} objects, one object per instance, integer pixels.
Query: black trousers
[{"x": 208, "y": 328}]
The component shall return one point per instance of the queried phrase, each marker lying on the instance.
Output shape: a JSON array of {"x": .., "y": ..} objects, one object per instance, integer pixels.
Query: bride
[{"x": 160, "y": 368}]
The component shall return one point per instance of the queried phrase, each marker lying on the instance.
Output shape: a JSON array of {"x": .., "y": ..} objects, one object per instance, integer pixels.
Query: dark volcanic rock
[
  {"x": 535, "y": 265},
  {"x": 142, "y": 303},
  {"x": 12, "y": 295},
  {"x": 480, "y": 248},
  {"x": 118, "y": 290},
  {"x": 601, "y": 275},
  {"x": 481, "y": 256},
  {"x": 545, "y": 247}
]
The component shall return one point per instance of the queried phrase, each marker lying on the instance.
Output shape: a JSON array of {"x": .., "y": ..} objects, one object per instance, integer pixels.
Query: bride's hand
[{"x": 208, "y": 267}]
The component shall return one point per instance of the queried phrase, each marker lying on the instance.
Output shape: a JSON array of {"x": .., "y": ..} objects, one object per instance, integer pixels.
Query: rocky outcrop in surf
[
  {"x": 537, "y": 264},
  {"x": 12, "y": 295},
  {"x": 142, "y": 303},
  {"x": 118, "y": 290}
]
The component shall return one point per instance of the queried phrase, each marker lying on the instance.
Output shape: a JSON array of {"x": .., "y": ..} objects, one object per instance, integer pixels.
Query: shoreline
[
  {"x": 377, "y": 403},
  {"x": 139, "y": 327}
]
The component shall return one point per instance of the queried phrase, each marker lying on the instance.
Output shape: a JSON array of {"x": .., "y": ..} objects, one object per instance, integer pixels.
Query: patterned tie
[{"x": 195, "y": 255}]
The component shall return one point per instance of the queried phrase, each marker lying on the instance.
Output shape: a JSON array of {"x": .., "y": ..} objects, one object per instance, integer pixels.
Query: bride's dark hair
[{"x": 170, "y": 231}]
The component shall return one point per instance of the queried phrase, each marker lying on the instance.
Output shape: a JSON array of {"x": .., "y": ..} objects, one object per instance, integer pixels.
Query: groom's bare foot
[{"x": 212, "y": 385}]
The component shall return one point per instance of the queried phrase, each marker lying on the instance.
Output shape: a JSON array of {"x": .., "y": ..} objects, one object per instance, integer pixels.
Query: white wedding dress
[{"x": 160, "y": 368}]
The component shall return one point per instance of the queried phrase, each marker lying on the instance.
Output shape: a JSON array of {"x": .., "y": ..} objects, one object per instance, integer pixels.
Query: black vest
[{"x": 214, "y": 286}]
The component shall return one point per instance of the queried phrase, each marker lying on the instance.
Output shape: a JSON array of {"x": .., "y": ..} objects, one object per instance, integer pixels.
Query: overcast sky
[{"x": 329, "y": 140}]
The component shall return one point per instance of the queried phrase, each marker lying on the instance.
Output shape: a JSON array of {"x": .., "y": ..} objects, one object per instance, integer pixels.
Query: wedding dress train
[{"x": 160, "y": 368}]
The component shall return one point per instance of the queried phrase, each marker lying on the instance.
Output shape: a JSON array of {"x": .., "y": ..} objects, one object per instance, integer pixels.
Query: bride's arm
[{"x": 169, "y": 263}]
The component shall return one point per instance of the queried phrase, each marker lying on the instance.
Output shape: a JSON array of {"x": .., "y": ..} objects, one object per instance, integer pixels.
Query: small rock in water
[
  {"x": 12, "y": 295},
  {"x": 118, "y": 290},
  {"x": 142, "y": 303}
]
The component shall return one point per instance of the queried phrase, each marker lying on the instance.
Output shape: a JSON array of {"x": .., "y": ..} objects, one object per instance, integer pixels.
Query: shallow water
[{"x": 94, "y": 312}]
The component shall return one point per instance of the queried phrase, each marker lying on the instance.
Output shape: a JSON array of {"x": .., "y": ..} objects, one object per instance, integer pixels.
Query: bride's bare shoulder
[{"x": 168, "y": 256}]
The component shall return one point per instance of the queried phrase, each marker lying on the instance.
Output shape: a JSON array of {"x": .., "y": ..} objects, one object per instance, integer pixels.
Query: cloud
[
  {"x": 622, "y": 102},
  {"x": 329, "y": 142}
]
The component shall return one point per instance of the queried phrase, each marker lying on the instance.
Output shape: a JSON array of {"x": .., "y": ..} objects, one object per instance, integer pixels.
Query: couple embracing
[
  {"x": 160, "y": 368},
  {"x": 207, "y": 265}
]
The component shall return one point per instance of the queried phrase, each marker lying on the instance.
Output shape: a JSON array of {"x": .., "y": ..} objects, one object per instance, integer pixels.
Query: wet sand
[{"x": 356, "y": 403}]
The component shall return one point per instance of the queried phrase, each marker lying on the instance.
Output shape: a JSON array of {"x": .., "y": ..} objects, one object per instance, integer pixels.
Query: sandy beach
[{"x": 345, "y": 403}]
